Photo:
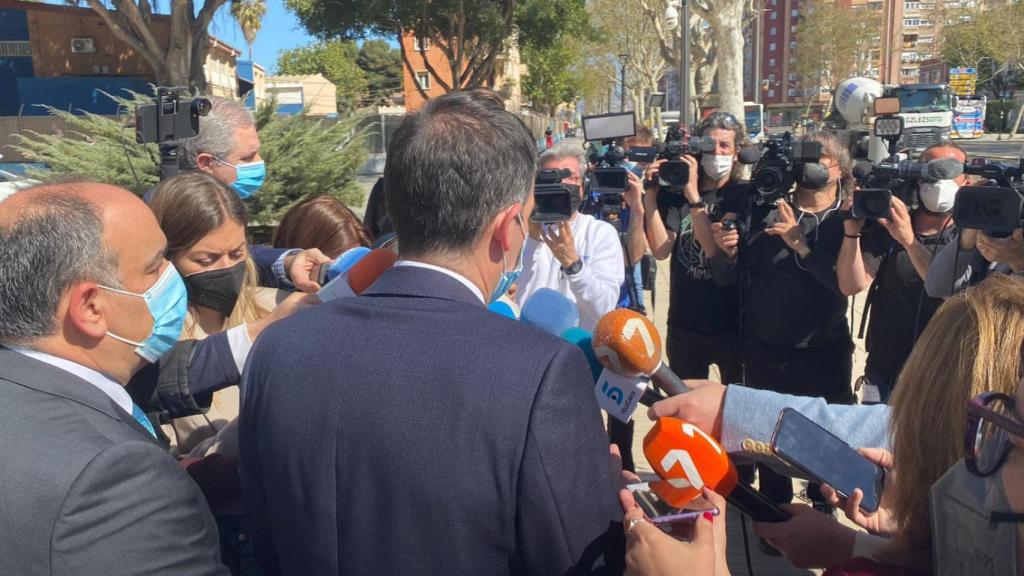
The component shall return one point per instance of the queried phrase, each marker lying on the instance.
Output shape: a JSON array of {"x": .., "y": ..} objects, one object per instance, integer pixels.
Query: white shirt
[
  {"x": 595, "y": 289},
  {"x": 108, "y": 385},
  {"x": 465, "y": 281}
]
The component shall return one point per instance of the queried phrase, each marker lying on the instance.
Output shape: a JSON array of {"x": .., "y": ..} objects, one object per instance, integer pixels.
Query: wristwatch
[
  {"x": 697, "y": 205},
  {"x": 574, "y": 268}
]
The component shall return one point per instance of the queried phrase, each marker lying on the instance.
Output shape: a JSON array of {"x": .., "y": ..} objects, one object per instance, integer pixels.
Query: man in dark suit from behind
[
  {"x": 412, "y": 431},
  {"x": 86, "y": 487}
]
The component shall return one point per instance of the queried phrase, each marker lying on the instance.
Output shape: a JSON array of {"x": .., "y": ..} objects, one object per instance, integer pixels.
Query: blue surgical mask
[
  {"x": 248, "y": 177},
  {"x": 509, "y": 277},
  {"x": 167, "y": 301}
]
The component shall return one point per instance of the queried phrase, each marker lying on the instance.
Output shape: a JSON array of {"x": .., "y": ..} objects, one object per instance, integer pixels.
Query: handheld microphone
[
  {"x": 345, "y": 262},
  {"x": 687, "y": 459},
  {"x": 617, "y": 395},
  {"x": 359, "y": 277},
  {"x": 550, "y": 312},
  {"x": 502, "y": 308},
  {"x": 628, "y": 343}
]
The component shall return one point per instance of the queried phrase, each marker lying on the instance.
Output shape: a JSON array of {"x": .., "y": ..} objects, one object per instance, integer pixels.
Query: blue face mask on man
[
  {"x": 167, "y": 301},
  {"x": 509, "y": 277},
  {"x": 249, "y": 176}
]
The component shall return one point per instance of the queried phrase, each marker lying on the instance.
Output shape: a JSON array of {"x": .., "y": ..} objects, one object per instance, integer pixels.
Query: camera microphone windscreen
[
  {"x": 861, "y": 169},
  {"x": 628, "y": 343},
  {"x": 750, "y": 155},
  {"x": 944, "y": 169},
  {"x": 549, "y": 311}
]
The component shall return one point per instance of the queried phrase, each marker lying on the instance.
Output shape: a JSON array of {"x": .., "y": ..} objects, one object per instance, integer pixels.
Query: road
[{"x": 989, "y": 147}]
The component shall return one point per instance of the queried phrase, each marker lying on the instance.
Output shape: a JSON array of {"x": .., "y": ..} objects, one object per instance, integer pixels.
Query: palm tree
[{"x": 249, "y": 15}]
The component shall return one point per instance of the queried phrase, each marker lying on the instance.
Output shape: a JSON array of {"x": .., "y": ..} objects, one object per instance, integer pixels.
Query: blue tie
[{"x": 141, "y": 418}]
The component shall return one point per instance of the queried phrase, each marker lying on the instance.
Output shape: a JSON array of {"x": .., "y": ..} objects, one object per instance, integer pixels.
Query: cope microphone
[
  {"x": 687, "y": 459},
  {"x": 750, "y": 156},
  {"x": 550, "y": 311},
  {"x": 359, "y": 277},
  {"x": 628, "y": 343}
]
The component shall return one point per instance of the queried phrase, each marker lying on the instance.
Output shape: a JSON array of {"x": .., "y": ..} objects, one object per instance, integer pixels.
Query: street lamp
[
  {"x": 623, "y": 58},
  {"x": 681, "y": 17}
]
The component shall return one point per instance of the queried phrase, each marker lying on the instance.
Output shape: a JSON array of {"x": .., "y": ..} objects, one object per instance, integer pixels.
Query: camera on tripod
[
  {"x": 166, "y": 122},
  {"x": 782, "y": 162},
  {"x": 555, "y": 201}
]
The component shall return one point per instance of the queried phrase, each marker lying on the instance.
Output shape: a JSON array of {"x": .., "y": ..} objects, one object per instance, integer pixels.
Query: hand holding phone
[
  {"x": 659, "y": 511},
  {"x": 803, "y": 444}
]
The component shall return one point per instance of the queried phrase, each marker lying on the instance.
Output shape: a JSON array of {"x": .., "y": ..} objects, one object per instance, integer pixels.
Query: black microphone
[
  {"x": 861, "y": 169},
  {"x": 944, "y": 169},
  {"x": 750, "y": 156}
]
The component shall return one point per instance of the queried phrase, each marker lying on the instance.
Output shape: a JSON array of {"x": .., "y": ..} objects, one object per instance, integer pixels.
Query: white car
[{"x": 11, "y": 183}]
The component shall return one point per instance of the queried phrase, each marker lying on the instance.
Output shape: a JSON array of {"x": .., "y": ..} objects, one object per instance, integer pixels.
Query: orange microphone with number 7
[{"x": 626, "y": 342}]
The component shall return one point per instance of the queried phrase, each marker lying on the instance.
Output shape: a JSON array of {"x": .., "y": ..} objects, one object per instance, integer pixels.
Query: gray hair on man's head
[
  {"x": 56, "y": 242},
  {"x": 217, "y": 130},
  {"x": 563, "y": 151}
]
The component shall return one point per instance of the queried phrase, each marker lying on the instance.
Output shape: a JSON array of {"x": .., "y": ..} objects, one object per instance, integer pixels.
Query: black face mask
[
  {"x": 217, "y": 289},
  {"x": 814, "y": 177}
]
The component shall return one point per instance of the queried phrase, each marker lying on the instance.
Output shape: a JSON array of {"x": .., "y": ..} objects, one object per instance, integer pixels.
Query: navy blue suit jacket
[{"x": 411, "y": 431}]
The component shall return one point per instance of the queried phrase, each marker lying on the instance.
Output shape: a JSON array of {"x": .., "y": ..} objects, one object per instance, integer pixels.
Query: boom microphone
[
  {"x": 628, "y": 343},
  {"x": 550, "y": 311},
  {"x": 686, "y": 459},
  {"x": 359, "y": 277}
]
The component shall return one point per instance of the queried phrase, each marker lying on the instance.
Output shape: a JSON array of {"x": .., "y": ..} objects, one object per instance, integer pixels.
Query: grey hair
[
  {"x": 452, "y": 167},
  {"x": 563, "y": 151},
  {"x": 55, "y": 243},
  {"x": 217, "y": 130}
]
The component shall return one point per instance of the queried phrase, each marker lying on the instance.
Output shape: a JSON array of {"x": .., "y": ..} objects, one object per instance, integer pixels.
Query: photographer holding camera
[
  {"x": 702, "y": 316},
  {"x": 896, "y": 254},
  {"x": 783, "y": 254},
  {"x": 580, "y": 258}
]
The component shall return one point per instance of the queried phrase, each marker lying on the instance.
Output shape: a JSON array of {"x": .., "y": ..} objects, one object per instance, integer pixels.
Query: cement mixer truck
[{"x": 926, "y": 109}]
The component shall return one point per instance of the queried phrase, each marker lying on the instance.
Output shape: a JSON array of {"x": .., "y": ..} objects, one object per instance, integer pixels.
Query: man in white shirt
[
  {"x": 86, "y": 300},
  {"x": 581, "y": 259}
]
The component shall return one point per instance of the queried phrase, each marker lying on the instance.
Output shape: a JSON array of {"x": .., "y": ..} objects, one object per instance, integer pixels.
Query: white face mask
[
  {"x": 938, "y": 196},
  {"x": 716, "y": 166}
]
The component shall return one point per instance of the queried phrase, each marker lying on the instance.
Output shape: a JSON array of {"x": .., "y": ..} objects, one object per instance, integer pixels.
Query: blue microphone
[
  {"x": 581, "y": 338},
  {"x": 347, "y": 260},
  {"x": 502, "y": 309},
  {"x": 549, "y": 311}
]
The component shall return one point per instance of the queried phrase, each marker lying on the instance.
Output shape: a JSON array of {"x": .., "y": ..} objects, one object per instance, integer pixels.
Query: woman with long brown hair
[
  {"x": 205, "y": 225},
  {"x": 321, "y": 221}
]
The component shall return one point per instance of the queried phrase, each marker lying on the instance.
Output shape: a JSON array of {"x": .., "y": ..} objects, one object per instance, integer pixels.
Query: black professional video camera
[
  {"x": 555, "y": 200},
  {"x": 995, "y": 210},
  {"x": 782, "y": 162},
  {"x": 897, "y": 177},
  {"x": 674, "y": 173},
  {"x": 168, "y": 121}
]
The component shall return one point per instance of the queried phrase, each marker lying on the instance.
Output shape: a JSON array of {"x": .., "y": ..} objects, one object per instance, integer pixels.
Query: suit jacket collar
[
  {"x": 418, "y": 282},
  {"x": 49, "y": 379}
]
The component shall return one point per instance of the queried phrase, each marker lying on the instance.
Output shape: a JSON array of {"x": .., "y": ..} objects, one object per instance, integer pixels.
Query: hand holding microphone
[{"x": 363, "y": 272}]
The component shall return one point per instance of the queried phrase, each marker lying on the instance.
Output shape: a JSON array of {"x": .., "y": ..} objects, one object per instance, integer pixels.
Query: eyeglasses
[
  {"x": 991, "y": 418},
  {"x": 720, "y": 118}
]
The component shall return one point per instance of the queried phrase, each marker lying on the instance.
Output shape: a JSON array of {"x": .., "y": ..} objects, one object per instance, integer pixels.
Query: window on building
[
  {"x": 792, "y": 44},
  {"x": 773, "y": 31},
  {"x": 774, "y": 15},
  {"x": 771, "y": 47},
  {"x": 909, "y": 71},
  {"x": 771, "y": 77},
  {"x": 795, "y": 13},
  {"x": 421, "y": 44},
  {"x": 423, "y": 79},
  {"x": 771, "y": 93},
  {"x": 908, "y": 6},
  {"x": 771, "y": 62},
  {"x": 911, "y": 22},
  {"x": 793, "y": 92},
  {"x": 792, "y": 75}
]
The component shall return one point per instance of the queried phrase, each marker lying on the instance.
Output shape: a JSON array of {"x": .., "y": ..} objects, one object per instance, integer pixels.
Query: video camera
[
  {"x": 896, "y": 176},
  {"x": 782, "y": 162},
  {"x": 674, "y": 173},
  {"x": 169, "y": 120},
  {"x": 609, "y": 177},
  {"x": 995, "y": 210},
  {"x": 555, "y": 200}
]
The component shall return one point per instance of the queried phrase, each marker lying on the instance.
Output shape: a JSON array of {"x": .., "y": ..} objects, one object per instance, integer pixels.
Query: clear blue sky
[{"x": 280, "y": 31}]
